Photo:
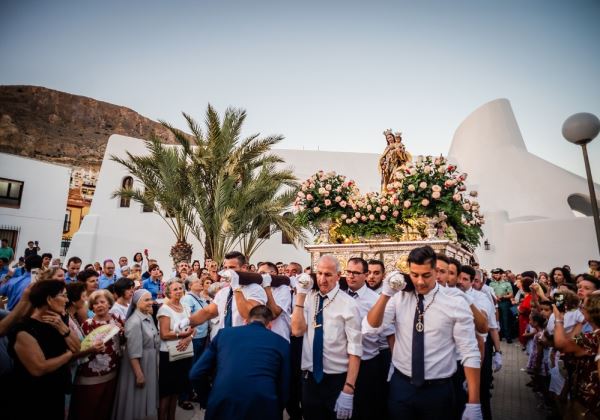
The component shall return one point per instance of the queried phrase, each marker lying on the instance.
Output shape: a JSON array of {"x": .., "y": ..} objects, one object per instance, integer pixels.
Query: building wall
[
  {"x": 77, "y": 215},
  {"x": 43, "y": 203}
]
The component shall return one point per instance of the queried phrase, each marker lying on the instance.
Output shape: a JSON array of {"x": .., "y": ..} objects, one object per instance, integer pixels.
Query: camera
[{"x": 559, "y": 301}]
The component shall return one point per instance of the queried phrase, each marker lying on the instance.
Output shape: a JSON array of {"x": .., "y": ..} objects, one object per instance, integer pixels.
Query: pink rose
[
  {"x": 338, "y": 199},
  {"x": 378, "y": 209},
  {"x": 327, "y": 203},
  {"x": 343, "y": 204},
  {"x": 466, "y": 206},
  {"x": 425, "y": 202},
  {"x": 436, "y": 188},
  {"x": 328, "y": 187},
  {"x": 316, "y": 209},
  {"x": 411, "y": 188},
  {"x": 309, "y": 197},
  {"x": 423, "y": 185},
  {"x": 457, "y": 197},
  {"x": 395, "y": 213},
  {"x": 382, "y": 217},
  {"x": 363, "y": 218},
  {"x": 344, "y": 216},
  {"x": 385, "y": 208},
  {"x": 371, "y": 217},
  {"x": 435, "y": 195},
  {"x": 407, "y": 204}
]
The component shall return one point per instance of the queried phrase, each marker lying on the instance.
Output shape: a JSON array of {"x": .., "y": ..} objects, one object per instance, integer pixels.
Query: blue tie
[
  {"x": 318, "y": 343},
  {"x": 228, "y": 309},
  {"x": 418, "y": 348}
]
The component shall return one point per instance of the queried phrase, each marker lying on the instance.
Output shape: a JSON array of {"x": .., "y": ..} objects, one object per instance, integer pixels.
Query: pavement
[{"x": 511, "y": 398}]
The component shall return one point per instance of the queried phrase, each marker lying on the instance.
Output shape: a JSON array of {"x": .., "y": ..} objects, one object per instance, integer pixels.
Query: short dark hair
[
  {"x": 42, "y": 290},
  {"x": 377, "y": 262},
  {"x": 591, "y": 279},
  {"x": 456, "y": 263},
  {"x": 361, "y": 261},
  {"x": 467, "y": 269},
  {"x": 152, "y": 267},
  {"x": 526, "y": 283},
  {"x": 86, "y": 274},
  {"x": 268, "y": 264},
  {"x": 261, "y": 313},
  {"x": 236, "y": 255},
  {"x": 75, "y": 260},
  {"x": 74, "y": 291},
  {"x": 529, "y": 273},
  {"x": 545, "y": 303},
  {"x": 122, "y": 285},
  {"x": 46, "y": 255},
  {"x": 422, "y": 255},
  {"x": 539, "y": 319},
  {"x": 33, "y": 261},
  {"x": 442, "y": 257}
]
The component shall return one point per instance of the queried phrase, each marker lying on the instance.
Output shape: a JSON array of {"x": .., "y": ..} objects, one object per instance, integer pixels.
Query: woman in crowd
[
  {"x": 173, "y": 378},
  {"x": 53, "y": 273},
  {"x": 136, "y": 275},
  {"x": 40, "y": 349},
  {"x": 585, "y": 385},
  {"x": 96, "y": 379},
  {"x": 524, "y": 308},
  {"x": 558, "y": 277},
  {"x": 196, "y": 267},
  {"x": 193, "y": 302},
  {"x": 206, "y": 283},
  {"x": 124, "y": 291},
  {"x": 137, "y": 392}
]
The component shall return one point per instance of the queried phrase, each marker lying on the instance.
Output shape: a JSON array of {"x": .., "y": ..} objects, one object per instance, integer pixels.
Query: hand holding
[
  {"x": 393, "y": 283},
  {"x": 304, "y": 284},
  {"x": 266, "y": 280},
  {"x": 343, "y": 405},
  {"x": 472, "y": 412},
  {"x": 140, "y": 380},
  {"x": 231, "y": 276},
  {"x": 182, "y": 325}
]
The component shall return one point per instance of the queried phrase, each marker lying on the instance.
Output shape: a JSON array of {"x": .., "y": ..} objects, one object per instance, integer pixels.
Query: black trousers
[
  {"x": 431, "y": 401},
  {"x": 385, "y": 356},
  {"x": 318, "y": 399},
  {"x": 460, "y": 395},
  {"x": 506, "y": 318},
  {"x": 293, "y": 407},
  {"x": 486, "y": 379},
  {"x": 369, "y": 401}
]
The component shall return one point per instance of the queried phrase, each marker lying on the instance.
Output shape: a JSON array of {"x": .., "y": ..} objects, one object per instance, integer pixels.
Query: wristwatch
[{"x": 238, "y": 289}]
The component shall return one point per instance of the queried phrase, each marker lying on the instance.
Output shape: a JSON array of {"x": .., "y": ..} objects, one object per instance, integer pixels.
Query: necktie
[
  {"x": 318, "y": 343},
  {"x": 352, "y": 293},
  {"x": 418, "y": 348},
  {"x": 228, "y": 309}
]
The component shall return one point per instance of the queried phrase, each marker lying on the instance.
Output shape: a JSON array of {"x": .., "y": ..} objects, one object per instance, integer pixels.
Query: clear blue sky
[{"x": 325, "y": 74}]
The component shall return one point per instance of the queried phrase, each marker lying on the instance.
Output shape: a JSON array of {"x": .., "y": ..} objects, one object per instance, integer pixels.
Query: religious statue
[{"x": 393, "y": 157}]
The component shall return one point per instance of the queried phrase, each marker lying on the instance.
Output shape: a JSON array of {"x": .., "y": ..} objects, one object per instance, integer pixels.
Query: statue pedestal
[{"x": 393, "y": 254}]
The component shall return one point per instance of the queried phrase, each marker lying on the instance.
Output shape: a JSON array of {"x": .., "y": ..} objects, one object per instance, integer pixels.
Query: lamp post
[{"x": 581, "y": 129}]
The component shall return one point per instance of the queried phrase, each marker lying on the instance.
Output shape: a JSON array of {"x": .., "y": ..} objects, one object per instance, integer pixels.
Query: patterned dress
[{"x": 586, "y": 387}]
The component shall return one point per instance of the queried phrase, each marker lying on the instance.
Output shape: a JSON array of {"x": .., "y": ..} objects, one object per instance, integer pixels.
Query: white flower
[
  {"x": 442, "y": 169},
  {"x": 328, "y": 187},
  {"x": 344, "y": 216},
  {"x": 316, "y": 209},
  {"x": 411, "y": 188},
  {"x": 385, "y": 208},
  {"x": 354, "y": 220},
  {"x": 436, "y": 188},
  {"x": 369, "y": 207},
  {"x": 425, "y": 202},
  {"x": 406, "y": 203},
  {"x": 348, "y": 221},
  {"x": 427, "y": 169},
  {"x": 321, "y": 190},
  {"x": 301, "y": 194},
  {"x": 466, "y": 206},
  {"x": 413, "y": 171},
  {"x": 371, "y": 217},
  {"x": 357, "y": 214},
  {"x": 435, "y": 195},
  {"x": 423, "y": 185},
  {"x": 378, "y": 210}
]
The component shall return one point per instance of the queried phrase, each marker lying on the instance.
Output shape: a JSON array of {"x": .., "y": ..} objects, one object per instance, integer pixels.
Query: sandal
[{"x": 186, "y": 405}]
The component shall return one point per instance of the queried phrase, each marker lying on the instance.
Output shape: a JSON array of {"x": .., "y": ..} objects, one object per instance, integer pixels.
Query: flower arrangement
[{"x": 428, "y": 193}]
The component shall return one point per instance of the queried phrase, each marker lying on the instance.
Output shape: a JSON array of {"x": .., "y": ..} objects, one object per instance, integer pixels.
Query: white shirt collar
[{"x": 332, "y": 292}]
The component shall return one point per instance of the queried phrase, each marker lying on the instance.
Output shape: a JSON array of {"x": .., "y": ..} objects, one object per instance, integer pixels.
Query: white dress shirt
[
  {"x": 371, "y": 344},
  {"x": 283, "y": 299},
  {"x": 482, "y": 302},
  {"x": 571, "y": 318},
  {"x": 449, "y": 328},
  {"x": 251, "y": 292},
  {"x": 341, "y": 331}
]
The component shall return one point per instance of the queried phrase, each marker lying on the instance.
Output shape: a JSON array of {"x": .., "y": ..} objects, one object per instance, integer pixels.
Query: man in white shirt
[
  {"x": 122, "y": 263},
  {"x": 430, "y": 327},
  {"x": 329, "y": 320},
  {"x": 369, "y": 399},
  {"x": 375, "y": 275},
  {"x": 293, "y": 407},
  {"x": 232, "y": 304},
  {"x": 279, "y": 300}
]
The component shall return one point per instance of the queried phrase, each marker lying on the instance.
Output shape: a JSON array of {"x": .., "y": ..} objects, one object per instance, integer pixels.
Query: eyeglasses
[{"x": 353, "y": 273}]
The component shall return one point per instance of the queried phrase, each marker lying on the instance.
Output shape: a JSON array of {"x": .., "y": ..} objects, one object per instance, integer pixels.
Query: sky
[{"x": 327, "y": 75}]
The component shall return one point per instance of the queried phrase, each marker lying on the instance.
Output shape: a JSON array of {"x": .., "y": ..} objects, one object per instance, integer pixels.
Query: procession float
[{"x": 422, "y": 201}]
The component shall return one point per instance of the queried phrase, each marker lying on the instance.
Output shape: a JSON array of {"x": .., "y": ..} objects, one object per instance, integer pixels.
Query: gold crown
[
  {"x": 398, "y": 135},
  {"x": 388, "y": 131}
]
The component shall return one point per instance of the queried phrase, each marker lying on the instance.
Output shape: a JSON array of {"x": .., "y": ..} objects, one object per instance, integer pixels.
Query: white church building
[{"x": 529, "y": 221}]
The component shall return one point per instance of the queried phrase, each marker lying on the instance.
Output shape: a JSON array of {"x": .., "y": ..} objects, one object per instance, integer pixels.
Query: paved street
[{"x": 511, "y": 399}]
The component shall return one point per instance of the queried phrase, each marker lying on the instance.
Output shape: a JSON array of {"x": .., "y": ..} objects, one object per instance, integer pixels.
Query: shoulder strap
[{"x": 202, "y": 305}]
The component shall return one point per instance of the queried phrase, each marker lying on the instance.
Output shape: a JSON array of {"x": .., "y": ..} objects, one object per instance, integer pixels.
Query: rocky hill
[{"x": 62, "y": 128}]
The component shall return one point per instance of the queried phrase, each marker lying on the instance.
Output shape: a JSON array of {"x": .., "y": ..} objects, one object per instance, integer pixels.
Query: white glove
[
  {"x": 266, "y": 282},
  {"x": 304, "y": 284},
  {"x": 343, "y": 405},
  {"x": 182, "y": 325},
  {"x": 467, "y": 297},
  {"x": 231, "y": 276},
  {"x": 497, "y": 362},
  {"x": 393, "y": 283},
  {"x": 472, "y": 412}
]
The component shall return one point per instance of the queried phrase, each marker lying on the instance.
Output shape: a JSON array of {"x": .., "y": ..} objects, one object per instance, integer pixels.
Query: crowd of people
[{"x": 125, "y": 340}]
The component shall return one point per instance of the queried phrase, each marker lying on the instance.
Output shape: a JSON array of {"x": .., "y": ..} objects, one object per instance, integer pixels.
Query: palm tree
[
  {"x": 163, "y": 175},
  {"x": 235, "y": 187}
]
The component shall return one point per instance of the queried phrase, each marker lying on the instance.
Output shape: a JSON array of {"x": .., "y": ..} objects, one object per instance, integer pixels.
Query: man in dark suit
[{"x": 252, "y": 370}]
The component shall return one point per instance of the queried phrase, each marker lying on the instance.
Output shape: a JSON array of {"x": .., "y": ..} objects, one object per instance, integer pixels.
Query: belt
[{"x": 427, "y": 381}]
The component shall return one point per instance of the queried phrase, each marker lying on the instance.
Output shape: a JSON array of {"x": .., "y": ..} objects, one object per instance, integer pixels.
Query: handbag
[{"x": 175, "y": 354}]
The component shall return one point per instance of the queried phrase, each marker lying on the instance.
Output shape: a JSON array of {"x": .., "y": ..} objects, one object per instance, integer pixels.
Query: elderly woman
[
  {"x": 137, "y": 392},
  {"x": 53, "y": 273},
  {"x": 41, "y": 353},
  {"x": 175, "y": 350},
  {"x": 585, "y": 385},
  {"x": 96, "y": 379}
]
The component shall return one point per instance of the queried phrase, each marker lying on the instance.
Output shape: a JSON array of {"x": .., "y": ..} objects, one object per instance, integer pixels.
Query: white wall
[
  {"x": 109, "y": 231},
  {"x": 43, "y": 204}
]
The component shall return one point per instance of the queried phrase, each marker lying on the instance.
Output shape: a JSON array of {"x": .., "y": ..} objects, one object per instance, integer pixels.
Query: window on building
[
  {"x": 67, "y": 222},
  {"x": 284, "y": 238},
  {"x": 11, "y": 234},
  {"x": 127, "y": 183},
  {"x": 11, "y": 192}
]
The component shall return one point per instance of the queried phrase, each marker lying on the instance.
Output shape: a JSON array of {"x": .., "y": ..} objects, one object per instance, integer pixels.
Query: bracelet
[
  {"x": 559, "y": 321},
  {"x": 299, "y": 306},
  {"x": 350, "y": 385}
]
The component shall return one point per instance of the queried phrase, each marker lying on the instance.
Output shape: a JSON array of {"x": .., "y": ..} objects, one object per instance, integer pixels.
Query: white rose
[
  {"x": 423, "y": 185},
  {"x": 425, "y": 202},
  {"x": 371, "y": 217},
  {"x": 378, "y": 210},
  {"x": 385, "y": 208},
  {"x": 321, "y": 190},
  {"x": 316, "y": 209},
  {"x": 407, "y": 204},
  {"x": 348, "y": 221},
  {"x": 344, "y": 216},
  {"x": 436, "y": 188},
  {"x": 466, "y": 206},
  {"x": 442, "y": 169},
  {"x": 328, "y": 187},
  {"x": 435, "y": 195},
  {"x": 354, "y": 220},
  {"x": 411, "y": 188}
]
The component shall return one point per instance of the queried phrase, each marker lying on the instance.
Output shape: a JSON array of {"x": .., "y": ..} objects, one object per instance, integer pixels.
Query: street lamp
[{"x": 581, "y": 129}]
